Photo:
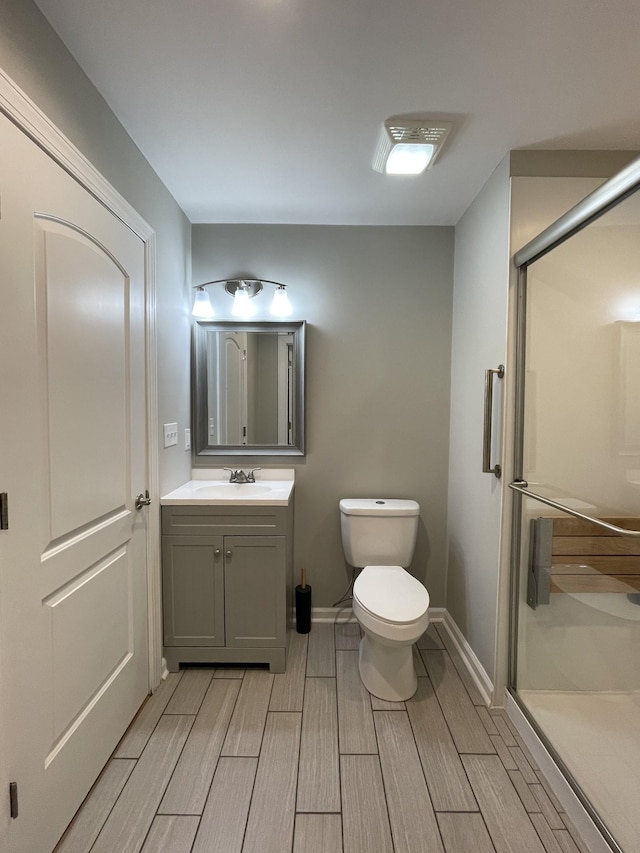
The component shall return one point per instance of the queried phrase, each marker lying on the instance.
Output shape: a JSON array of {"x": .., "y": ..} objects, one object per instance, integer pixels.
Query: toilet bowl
[{"x": 391, "y": 606}]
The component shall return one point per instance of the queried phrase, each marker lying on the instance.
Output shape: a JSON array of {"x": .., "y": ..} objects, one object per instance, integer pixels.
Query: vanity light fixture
[
  {"x": 202, "y": 307},
  {"x": 243, "y": 291},
  {"x": 409, "y": 146}
]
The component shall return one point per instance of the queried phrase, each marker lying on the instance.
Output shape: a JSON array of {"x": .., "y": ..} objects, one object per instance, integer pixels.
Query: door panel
[
  {"x": 193, "y": 590},
  {"x": 73, "y": 603},
  {"x": 86, "y": 337},
  {"x": 254, "y": 586}
]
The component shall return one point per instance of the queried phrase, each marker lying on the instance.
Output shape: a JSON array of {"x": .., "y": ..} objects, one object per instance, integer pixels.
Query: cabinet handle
[
  {"x": 217, "y": 552},
  {"x": 228, "y": 553}
]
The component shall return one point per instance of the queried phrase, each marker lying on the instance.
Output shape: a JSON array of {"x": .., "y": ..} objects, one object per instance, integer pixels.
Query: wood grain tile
[
  {"x": 503, "y": 753},
  {"x": 550, "y": 793},
  {"x": 430, "y": 639},
  {"x": 171, "y": 834},
  {"x": 154, "y": 805},
  {"x": 355, "y": 718},
  {"x": 191, "y": 780},
  {"x": 227, "y": 672},
  {"x": 503, "y": 729},
  {"x": 384, "y": 705},
  {"x": 188, "y": 695},
  {"x": 421, "y": 670},
  {"x": 140, "y": 730},
  {"x": 524, "y": 791},
  {"x": 487, "y": 720},
  {"x": 506, "y": 819},
  {"x": 468, "y": 732},
  {"x": 464, "y": 833},
  {"x": 446, "y": 779},
  {"x": 271, "y": 815},
  {"x": 321, "y": 653},
  {"x": 318, "y": 833},
  {"x": 546, "y": 807},
  {"x": 244, "y": 735},
  {"x": 461, "y": 667},
  {"x": 523, "y": 765},
  {"x": 347, "y": 635},
  {"x": 132, "y": 815},
  {"x": 565, "y": 841},
  {"x": 365, "y": 821},
  {"x": 288, "y": 686},
  {"x": 225, "y": 814},
  {"x": 546, "y": 834},
  {"x": 85, "y": 828},
  {"x": 413, "y": 822},
  {"x": 319, "y": 774}
]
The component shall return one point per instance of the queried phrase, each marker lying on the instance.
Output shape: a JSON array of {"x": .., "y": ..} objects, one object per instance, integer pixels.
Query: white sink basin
[
  {"x": 232, "y": 490},
  {"x": 216, "y": 490}
]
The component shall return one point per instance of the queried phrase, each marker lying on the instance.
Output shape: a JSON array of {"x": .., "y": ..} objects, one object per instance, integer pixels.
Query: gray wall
[
  {"x": 377, "y": 301},
  {"x": 480, "y": 308},
  {"x": 34, "y": 57}
]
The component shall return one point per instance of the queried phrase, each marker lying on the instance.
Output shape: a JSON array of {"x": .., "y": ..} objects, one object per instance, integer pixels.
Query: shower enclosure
[{"x": 575, "y": 655}]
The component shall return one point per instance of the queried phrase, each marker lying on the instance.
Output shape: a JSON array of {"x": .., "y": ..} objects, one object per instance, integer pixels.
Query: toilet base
[{"x": 387, "y": 671}]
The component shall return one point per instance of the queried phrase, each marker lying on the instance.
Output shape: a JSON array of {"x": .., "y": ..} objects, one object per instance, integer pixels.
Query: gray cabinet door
[
  {"x": 193, "y": 590},
  {"x": 255, "y": 595}
]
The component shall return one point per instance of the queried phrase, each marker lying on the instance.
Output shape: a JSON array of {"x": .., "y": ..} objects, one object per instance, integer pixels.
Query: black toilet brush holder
[{"x": 303, "y": 606}]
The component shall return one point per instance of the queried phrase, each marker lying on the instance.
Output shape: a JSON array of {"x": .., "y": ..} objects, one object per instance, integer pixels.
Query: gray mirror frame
[{"x": 201, "y": 448}]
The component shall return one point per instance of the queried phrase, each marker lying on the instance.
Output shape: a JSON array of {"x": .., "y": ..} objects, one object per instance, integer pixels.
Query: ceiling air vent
[{"x": 409, "y": 146}]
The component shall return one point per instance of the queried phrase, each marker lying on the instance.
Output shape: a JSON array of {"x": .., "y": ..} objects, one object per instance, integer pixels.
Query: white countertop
[{"x": 273, "y": 487}]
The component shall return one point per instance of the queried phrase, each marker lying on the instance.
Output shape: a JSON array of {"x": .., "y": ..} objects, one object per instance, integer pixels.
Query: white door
[
  {"x": 73, "y": 598},
  {"x": 232, "y": 361}
]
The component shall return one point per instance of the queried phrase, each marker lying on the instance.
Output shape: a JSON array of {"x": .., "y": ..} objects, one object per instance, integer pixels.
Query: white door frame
[{"x": 29, "y": 118}]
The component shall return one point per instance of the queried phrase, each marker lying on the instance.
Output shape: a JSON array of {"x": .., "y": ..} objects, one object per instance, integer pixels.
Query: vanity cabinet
[{"x": 226, "y": 584}]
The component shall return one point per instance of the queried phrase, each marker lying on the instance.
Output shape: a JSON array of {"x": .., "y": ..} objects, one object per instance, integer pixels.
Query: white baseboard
[
  {"x": 471, "y": 661},
  {"x": 572, "y": 806},
  {"x": 332, "y": 614}
]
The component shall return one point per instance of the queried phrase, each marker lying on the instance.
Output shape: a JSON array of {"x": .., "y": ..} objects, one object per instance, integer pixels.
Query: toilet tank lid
[{"x": 378, "y": 506}]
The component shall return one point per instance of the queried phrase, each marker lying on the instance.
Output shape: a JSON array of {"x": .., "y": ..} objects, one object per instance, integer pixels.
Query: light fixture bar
[{"x": 243, "y": 291}]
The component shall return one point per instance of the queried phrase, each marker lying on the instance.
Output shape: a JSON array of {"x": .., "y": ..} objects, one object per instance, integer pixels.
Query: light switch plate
[
  {"x": 170, "y": 435},
  {"x": 187, "y": 439}
]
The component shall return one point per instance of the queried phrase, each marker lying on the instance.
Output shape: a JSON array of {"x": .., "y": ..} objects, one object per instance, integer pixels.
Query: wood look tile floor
[{"x": 306, "y": 761}]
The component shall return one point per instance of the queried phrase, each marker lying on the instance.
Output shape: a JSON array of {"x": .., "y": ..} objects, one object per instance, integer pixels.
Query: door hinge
[
  {"x": 13, "y": 799},
  {"x": 4, "y": 511}
]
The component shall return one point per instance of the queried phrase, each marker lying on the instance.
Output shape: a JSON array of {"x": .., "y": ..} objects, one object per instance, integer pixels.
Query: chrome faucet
[{"x": 238, "y": 476}]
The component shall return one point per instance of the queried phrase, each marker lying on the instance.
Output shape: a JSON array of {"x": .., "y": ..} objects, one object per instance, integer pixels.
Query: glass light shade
[
  {"x": 202, "y": 307},
  {"x": 409, "y": 158},
  {"x": 242, "y": 305},
  {"x": 281, "y": 307}
]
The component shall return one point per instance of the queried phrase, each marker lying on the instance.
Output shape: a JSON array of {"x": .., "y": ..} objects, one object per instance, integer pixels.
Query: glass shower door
[{"x": 576, "y": 654}]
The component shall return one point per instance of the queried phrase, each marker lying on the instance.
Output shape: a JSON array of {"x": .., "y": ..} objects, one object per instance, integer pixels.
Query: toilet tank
[{"x": 378, "y": 532}]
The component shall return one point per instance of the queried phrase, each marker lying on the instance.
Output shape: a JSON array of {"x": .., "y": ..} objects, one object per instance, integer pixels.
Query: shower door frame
[{"x": 604, "y": 198}]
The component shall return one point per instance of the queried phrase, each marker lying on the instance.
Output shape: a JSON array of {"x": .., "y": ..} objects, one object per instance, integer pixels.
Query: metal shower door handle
[{"x": 488, "y": 421}]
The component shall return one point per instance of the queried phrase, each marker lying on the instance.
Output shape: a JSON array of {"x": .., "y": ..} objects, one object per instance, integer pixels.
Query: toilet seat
[{"x": 391, "y": 595}]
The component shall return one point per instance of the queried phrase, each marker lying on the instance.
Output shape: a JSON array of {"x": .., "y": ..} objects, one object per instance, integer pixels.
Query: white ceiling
[{"x": 269, "y": 110}]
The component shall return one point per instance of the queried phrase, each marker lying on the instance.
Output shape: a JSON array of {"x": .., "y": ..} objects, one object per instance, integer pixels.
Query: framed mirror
[{"x": 248, "y": 388}]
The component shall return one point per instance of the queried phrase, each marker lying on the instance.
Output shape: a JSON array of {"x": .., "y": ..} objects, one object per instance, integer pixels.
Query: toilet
[{"x": 391, "y": 606}]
